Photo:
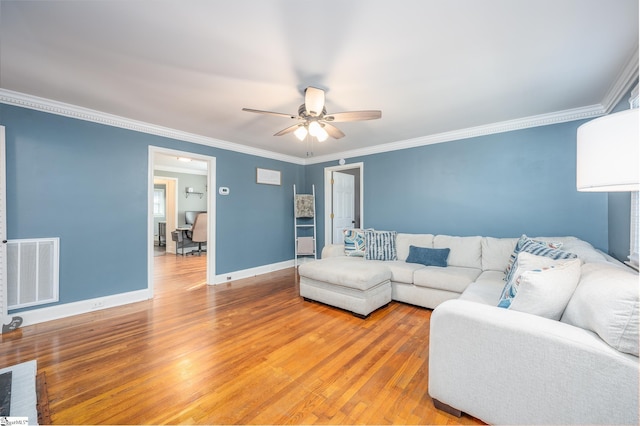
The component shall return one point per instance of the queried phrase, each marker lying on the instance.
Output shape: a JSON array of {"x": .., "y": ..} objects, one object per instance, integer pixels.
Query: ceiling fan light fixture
[
  {"x": 322, "y": 135},
  {"x": 301, "y": 132},
  {"x": 315, "y": 128}
]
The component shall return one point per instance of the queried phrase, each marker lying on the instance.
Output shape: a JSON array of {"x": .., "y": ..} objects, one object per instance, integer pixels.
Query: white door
[{"x": 344, "y": 202}]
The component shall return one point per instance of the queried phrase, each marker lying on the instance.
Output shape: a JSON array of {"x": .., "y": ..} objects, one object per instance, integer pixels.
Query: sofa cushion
[
  {"x": 346, "y": 271},
  {"x": 451, "y": 278},
  {"x": 539, "y": 249},
  {"x": 403, "y": 241},
  {"x": 354, "y": 242},
  {"x": 526, "y": 262},
  {"x": 546, "y": 292},
  {"x": 496, "y": 252},
  {"x": 380, "y": 245},
  {"x": 401, "y": 272},
  {"x": 428, "y": 256},
  {"x": 486, "y": 289},
  {"x": 606, "y": 302},
  {"x": 465, "y": 251},
  {"x": 332, "y": 250}
]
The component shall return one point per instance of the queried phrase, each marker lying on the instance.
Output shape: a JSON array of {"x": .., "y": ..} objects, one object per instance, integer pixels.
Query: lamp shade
[
  {"x": 301, "y": 133},
  {"x": 607, "y": 153}
]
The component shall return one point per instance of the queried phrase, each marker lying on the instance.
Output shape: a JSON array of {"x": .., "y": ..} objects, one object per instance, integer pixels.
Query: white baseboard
[
  {"x": 36, "y": 316},
  {"x": 51, "y": 313},
  {"x": 252, "y": 272}
]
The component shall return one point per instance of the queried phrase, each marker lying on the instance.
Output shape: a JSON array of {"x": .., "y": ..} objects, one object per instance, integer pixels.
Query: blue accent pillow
[{"x": 428, "y": 256}]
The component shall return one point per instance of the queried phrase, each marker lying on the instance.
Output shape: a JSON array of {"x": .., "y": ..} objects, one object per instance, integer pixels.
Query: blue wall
[
  {"x": 87, "y": 183},
  {"x": 500, "y": 185}
]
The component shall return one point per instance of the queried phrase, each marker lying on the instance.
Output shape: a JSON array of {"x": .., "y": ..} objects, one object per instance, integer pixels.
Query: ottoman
[{"x": 352, "y": 284}]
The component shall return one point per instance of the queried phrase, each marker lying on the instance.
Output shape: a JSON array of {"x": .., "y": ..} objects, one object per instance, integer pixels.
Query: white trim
[
  {"x": 67, "y": 110},
  {"x": 471, "y": 132},
  {"x": 65, "y": 310},
  {"x": 628, "y": 75},
  {"x": 252, "y": 272},
  {"x": 4, "y": 317},
  {"x": 211, "y": 210},
  {"x": 328, "y": 229},
  {"x": 185, "y": 170},
  {"x": 619, "y": 88}
]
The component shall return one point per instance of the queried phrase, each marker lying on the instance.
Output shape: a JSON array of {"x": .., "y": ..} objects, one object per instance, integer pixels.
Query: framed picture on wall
[{"x": 268, "y": 177}]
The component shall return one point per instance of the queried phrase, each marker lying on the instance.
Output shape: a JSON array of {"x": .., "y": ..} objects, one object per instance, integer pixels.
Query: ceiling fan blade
[
  {"x": 278, "y": 114},
  {"x": 287, "y": 130},
  {"x": 313, "y": 101},
  {"x": 340, "y": 117},
  {"x": 333, "y": 131}
]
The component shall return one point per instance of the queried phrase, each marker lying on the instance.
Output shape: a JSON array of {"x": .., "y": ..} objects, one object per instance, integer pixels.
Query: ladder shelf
[{"x": 304, "y": 218}]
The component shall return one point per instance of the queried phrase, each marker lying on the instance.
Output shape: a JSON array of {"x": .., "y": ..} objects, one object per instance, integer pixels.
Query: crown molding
[
  {"x": 72, "y": 111},
  {"x": 471, "y": 132},
  {"x": 627, "y": 77}
]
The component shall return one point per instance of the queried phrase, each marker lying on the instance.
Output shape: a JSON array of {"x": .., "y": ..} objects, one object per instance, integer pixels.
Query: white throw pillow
[
  {"x": 606, "y": 302},
  {"x": 546, "y": 292},
  {"x": 525, "y": 262}
]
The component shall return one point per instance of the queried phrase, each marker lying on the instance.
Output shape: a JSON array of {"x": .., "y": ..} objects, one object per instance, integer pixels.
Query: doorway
[
  {"x": 155, "y": 156},
  {"x": 344, "y": 201},
  {"x": 165, "y": 212}
]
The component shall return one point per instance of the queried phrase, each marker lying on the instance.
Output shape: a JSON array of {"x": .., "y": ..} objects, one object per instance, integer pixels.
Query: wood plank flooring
[{"x": 246, "y": 352}]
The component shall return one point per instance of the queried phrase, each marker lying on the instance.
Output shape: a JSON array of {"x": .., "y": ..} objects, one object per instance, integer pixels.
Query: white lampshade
[
  {"x": 301, "y": 133},
  {"x": 607, "y": 153}
]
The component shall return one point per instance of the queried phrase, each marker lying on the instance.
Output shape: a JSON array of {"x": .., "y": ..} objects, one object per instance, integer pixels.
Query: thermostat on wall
[{"x": 223, "y": 190}]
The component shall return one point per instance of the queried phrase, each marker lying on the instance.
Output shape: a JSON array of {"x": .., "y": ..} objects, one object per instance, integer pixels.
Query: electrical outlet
[{"x": 97, "y": 304}]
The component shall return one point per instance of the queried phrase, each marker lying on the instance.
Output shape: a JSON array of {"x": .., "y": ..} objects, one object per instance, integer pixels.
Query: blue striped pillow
[
  {"x": 380, "y": 245},
  {"x": 524, "y": 239},
  {"x": 539, "y": 249}
]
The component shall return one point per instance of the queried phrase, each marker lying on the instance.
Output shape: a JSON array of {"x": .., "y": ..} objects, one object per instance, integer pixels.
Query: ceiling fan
[{"x": 312, "y": 118}]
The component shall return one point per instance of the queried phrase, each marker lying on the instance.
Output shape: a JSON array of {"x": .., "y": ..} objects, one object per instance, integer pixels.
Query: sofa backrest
[
  {"x": 465, "y": 251},
  {"x": 403, "y": 241},
  {"x": 585, "y": 251},
  {"x": 496, "y": 253}
]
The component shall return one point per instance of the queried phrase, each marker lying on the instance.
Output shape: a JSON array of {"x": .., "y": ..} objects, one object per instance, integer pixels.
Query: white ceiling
[{"x": 433, "y": 67}]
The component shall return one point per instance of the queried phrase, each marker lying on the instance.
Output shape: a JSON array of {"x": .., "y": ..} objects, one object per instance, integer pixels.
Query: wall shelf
[{"x": 187, "y": 193}]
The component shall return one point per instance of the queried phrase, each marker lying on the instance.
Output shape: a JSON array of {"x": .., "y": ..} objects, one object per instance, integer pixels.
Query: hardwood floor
[{"x": 247, "y": 352}]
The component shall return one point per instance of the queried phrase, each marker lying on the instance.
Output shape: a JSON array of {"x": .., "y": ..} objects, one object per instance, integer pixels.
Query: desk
[{"x": 179, "y": 236}]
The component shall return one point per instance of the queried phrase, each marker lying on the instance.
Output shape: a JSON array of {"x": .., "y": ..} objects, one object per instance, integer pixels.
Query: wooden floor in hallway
[{"x": 246, "y": 352}]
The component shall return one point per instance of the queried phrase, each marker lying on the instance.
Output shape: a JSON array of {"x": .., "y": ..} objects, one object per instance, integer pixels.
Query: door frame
[
  {"x": 171, "y": 194},
  {"x": 4, "y": 313},
  {"x": 328, "y": 203},
  {"x": 211, "y": 210}
]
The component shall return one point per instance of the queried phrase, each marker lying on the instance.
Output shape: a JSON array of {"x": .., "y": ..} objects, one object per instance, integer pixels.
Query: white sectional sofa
[{"x": 504, "y": 366}]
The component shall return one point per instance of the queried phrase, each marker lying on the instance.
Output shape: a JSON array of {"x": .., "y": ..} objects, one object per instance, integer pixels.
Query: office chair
[{"x": 199, "y": 232}]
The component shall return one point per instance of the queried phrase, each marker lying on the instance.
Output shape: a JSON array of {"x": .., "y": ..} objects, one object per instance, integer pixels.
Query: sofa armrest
[
  {"x": 508, "y": 367},
  {"x": 332, "y": 250}
]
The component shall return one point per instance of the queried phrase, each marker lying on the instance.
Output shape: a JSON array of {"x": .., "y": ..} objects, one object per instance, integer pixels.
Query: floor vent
[{"x": 32, "y": 272}]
